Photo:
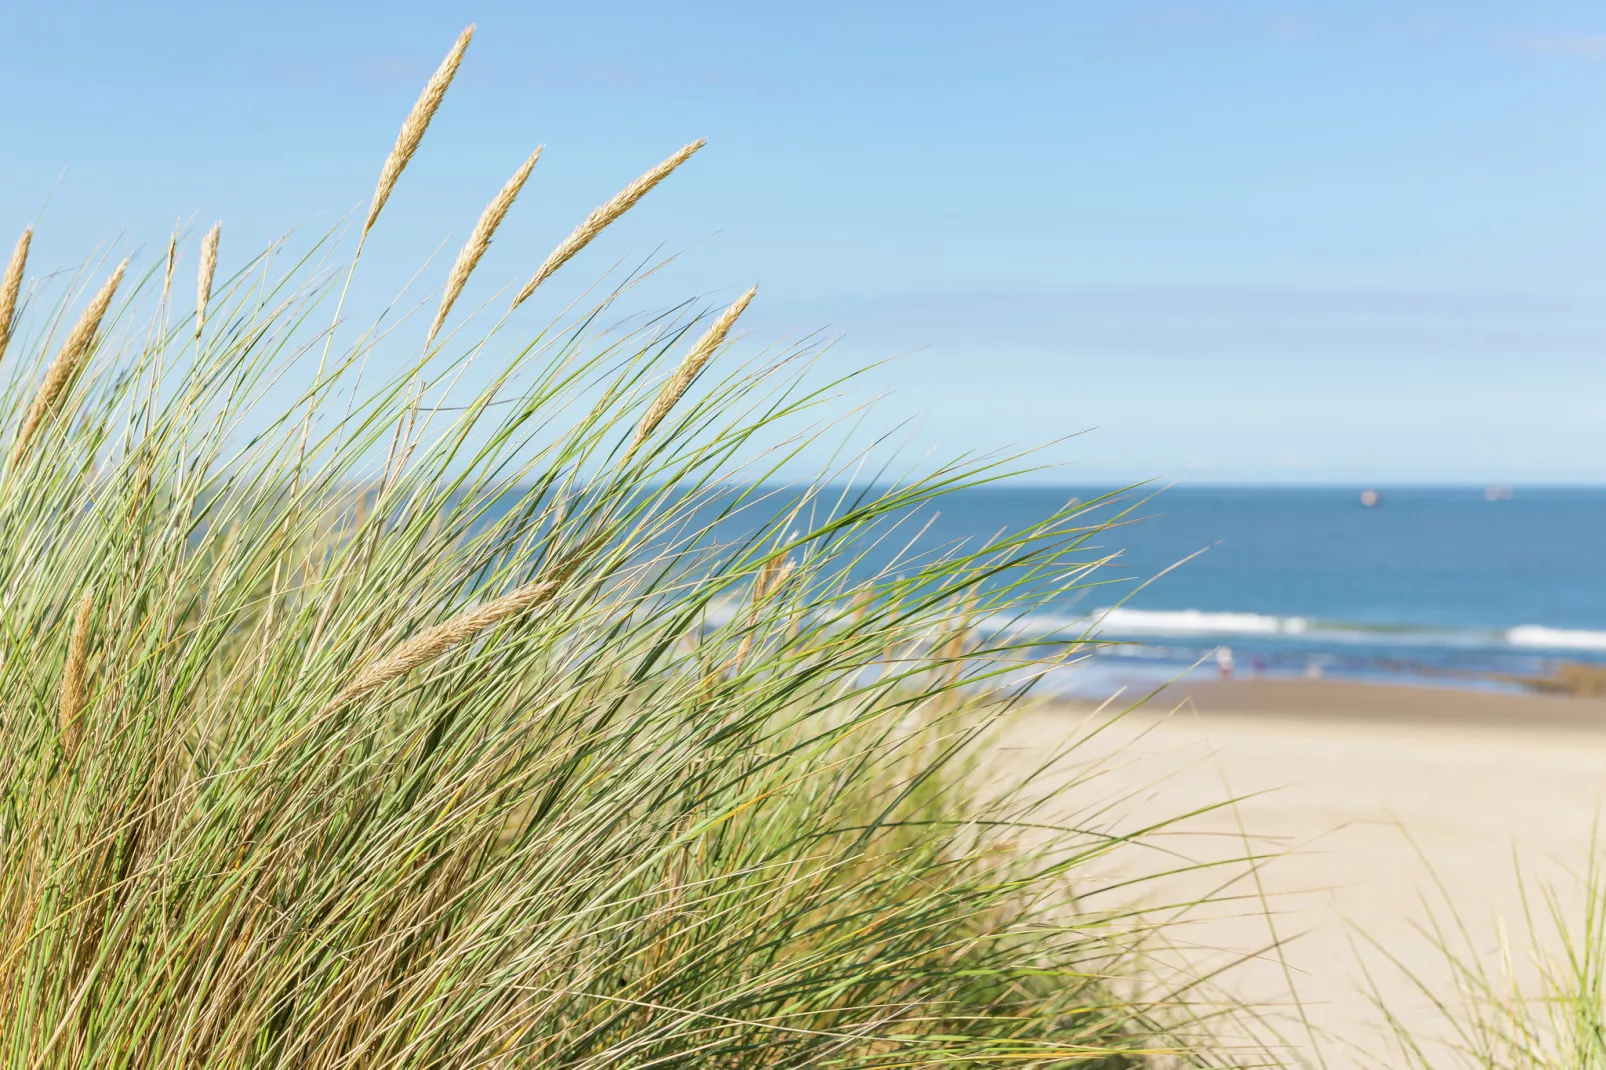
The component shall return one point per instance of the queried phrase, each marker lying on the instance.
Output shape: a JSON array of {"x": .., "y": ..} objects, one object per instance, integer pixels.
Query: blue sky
[{"x": 1232, "y": 241}]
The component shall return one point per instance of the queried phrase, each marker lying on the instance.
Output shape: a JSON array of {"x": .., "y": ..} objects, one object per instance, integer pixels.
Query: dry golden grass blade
[
  {"x": 598, "y": 220},
  {"x": 444, "y": 638},
  {"x": 70, "y": 707},
  {"x": 11, "y": 288},
  {"x": 468, "y": 258},
  {"x": 203, "y": 280},
  {"x": 689, "y": 368},
  {"x": 61, "y": 370},
  {"x": 413, "y": 128}
]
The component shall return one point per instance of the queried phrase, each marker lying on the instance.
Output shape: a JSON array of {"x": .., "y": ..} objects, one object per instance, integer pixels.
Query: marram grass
[{"x": 447, "y": 733}]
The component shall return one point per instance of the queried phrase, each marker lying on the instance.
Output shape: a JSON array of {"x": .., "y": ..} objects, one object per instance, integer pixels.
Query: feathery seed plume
[
  {"x": 71, "y": 702},
  {"x": 604, "y": 214},
  {"x": 431, "y": 643},
  {"x": 690, "y": 367},
  {"x": 468, "y": 257},
  {"x": 11, "y": 287},
  {"x": 61, "y": 370},
  {"x": 203, "y": 281},
  {"x": 412, "y": 130}
]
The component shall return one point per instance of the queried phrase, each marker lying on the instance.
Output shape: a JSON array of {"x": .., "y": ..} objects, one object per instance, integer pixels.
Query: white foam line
[
  {"x": 1197, "y": 622},
  {"x": 1532, "y": 635}
]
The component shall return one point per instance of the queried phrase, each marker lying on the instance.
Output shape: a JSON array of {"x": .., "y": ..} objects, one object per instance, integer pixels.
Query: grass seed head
[
  {"x": 434, "y": 642},
  {"x": 479, "y": 241},
  {"x": 686, "y": 373},
  {"x": 70, "y": 707},
  {"x": 772, "y": 575},
  {"x": 203, "y": 280},
  {"x": 604, "y": 214},
  {"x": 61, "y": 370},
  {"x": 11, "y": 288},
  {"x": 172, "y": 262},
  {"x": 413, "y": 128}
]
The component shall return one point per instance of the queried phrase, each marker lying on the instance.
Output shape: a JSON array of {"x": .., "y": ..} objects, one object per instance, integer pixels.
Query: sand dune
[{"x": 1358, "y": 790}]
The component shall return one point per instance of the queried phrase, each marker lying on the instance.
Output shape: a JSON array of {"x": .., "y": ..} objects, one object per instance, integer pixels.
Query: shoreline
[{"x": 1375, "y": 703}]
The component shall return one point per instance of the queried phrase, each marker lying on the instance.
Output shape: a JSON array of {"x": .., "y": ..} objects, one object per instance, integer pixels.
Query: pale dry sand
[{"x": 1357, "y": 790}]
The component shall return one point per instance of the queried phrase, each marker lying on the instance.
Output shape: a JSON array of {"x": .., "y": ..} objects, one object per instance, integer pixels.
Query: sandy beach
[{"x": 1363, "y": 794}]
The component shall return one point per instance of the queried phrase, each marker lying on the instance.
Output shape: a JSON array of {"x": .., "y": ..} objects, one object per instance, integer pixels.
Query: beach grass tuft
[{"x": 443, "y": 727}]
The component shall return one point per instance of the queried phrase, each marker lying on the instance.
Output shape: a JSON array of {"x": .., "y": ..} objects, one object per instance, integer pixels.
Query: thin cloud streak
[{"x": 1206, "y": 322}]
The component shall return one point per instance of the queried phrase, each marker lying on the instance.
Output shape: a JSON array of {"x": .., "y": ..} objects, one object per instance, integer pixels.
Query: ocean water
[
  {"x": 1431, "y": 585},
  {"x": 1428, "y": 586}
]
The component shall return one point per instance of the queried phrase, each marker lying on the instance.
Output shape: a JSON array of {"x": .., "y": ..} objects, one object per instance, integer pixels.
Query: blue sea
[{"x": 1454, "y": 586}]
